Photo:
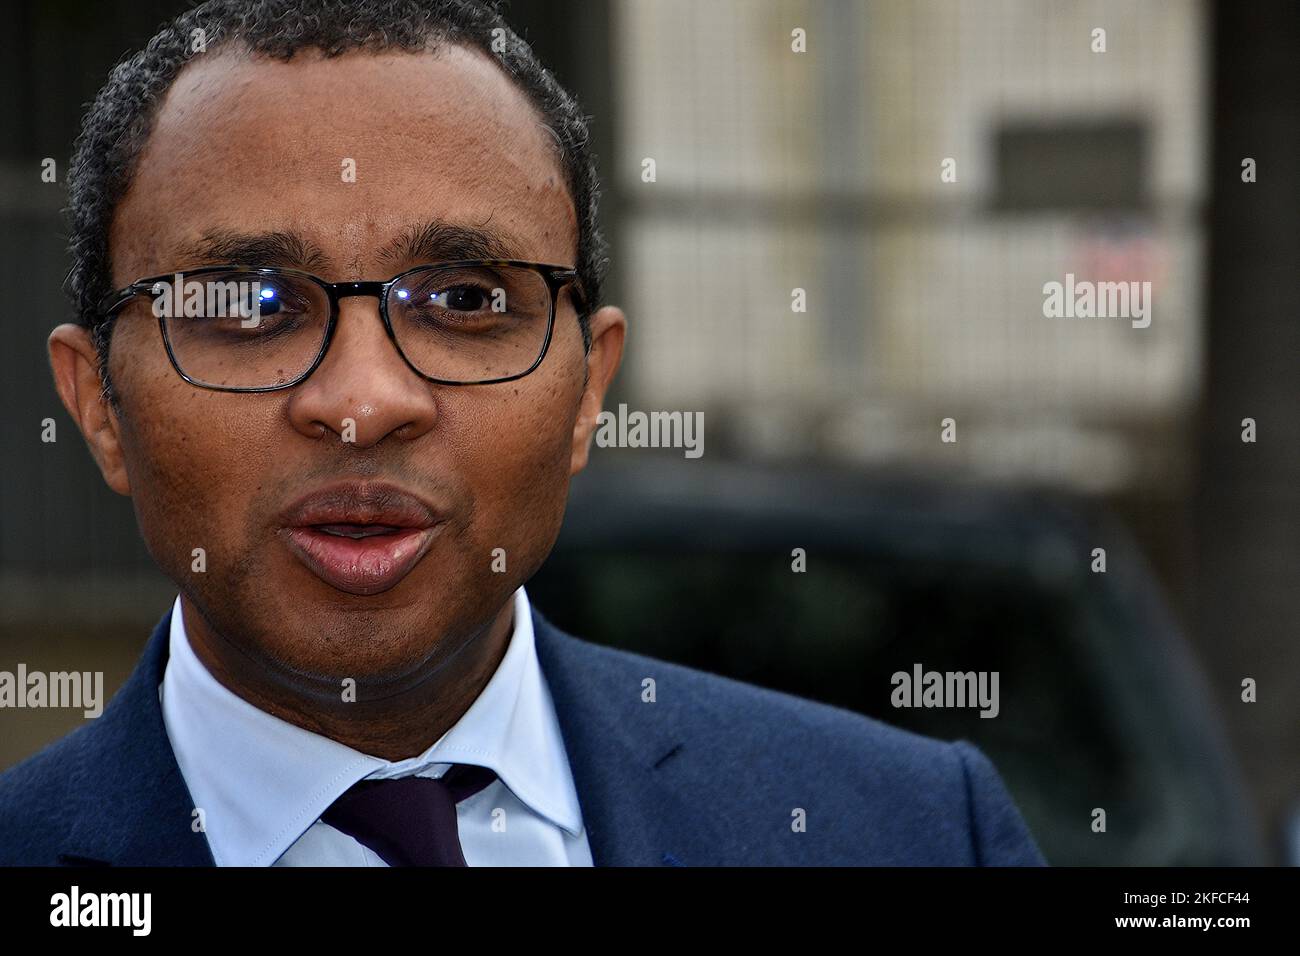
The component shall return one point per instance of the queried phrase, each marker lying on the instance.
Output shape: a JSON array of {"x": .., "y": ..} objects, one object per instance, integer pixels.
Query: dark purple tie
[{"x": 409, "y": 821}]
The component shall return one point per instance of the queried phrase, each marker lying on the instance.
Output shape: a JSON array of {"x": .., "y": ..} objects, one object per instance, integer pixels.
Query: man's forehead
[{"x": 354, "y": 155}]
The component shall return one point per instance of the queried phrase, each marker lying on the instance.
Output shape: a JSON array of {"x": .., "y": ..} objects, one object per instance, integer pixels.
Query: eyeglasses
[{"x": 237, "y": 328}]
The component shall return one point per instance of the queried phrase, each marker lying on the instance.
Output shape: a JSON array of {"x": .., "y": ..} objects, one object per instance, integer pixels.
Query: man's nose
[{"x": 363, "y": 390}]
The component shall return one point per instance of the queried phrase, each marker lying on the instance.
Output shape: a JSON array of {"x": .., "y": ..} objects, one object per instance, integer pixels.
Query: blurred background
[{"x": 778, "y": 170}]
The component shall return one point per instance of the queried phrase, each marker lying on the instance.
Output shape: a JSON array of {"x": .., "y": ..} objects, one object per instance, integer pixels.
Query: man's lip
[
  {"x": 361, "y": 566},
  {"x": 360, "y": 503}
]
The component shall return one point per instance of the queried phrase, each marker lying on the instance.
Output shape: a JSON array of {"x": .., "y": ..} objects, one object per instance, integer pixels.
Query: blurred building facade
[{"x": 824, "y": 171}]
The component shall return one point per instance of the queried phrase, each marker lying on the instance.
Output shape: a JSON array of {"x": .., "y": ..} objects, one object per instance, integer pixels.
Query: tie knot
[{"x": 409, "y": 821}]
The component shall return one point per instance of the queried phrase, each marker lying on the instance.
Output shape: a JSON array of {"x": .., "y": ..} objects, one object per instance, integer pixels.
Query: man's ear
[
  {"x": 75, "y": 364},
  {"x": 608, "y": 327}
]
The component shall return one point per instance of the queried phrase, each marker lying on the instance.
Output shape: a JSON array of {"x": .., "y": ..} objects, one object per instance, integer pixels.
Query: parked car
[{"x": 1101, "y": 704}]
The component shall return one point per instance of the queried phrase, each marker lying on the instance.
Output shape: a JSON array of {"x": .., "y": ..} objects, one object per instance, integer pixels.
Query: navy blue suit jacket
[{"x": 710, "y": 773}]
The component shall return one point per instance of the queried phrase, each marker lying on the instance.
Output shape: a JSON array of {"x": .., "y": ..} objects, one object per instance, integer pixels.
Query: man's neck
[{"x": 399, "y": 726}]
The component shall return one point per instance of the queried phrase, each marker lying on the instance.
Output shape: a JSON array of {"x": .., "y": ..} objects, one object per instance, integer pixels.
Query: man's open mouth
[
  {"x": 361, "y": 539},
  {"x": 358, "y": 530}
]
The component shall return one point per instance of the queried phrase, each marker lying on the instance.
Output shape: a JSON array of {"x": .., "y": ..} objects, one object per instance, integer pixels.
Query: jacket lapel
[
  {"x": 128, "y": 798},
  {"x": 630, "y": 758}
]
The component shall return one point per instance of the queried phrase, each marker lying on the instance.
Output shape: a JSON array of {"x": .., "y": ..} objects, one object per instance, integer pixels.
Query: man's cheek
[
  {"x": 521, "y": 512},
  {"x": 180, "y": 509},
  {"x": 172, "y": 522}
]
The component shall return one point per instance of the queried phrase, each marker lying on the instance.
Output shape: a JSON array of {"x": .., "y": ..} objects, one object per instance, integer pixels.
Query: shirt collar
[{"x": 261, "y": 781}]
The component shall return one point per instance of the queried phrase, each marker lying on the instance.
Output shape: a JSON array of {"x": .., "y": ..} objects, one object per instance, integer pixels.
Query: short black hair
[{"x": 118, "y": 123}]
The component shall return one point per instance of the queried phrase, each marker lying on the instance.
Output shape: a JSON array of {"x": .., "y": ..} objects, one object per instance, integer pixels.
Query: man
[{"x": 350, "y": 454}]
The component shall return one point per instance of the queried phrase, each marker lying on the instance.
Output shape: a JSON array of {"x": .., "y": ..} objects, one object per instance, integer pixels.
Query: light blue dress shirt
[{"x": 262, "y": 783}]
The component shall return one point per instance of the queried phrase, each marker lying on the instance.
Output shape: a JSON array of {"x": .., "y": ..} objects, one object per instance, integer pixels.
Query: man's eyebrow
[
  {"x": 284, "y": 249},
  {"x": 440, "y": 241}
]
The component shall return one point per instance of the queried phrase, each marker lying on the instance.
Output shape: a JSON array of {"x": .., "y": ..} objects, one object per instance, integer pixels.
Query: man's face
[{"x": 248, "y": 146}]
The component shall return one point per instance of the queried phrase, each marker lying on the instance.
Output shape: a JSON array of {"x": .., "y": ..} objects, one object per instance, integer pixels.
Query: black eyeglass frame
[{"x": 555, "y": 276}]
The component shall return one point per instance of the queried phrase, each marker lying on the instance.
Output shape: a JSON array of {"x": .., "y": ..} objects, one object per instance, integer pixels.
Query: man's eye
[
  {"x": 270, "y": 300},
  {"x": 460, "y": 298},
  {"x": 278, "y": 301}
]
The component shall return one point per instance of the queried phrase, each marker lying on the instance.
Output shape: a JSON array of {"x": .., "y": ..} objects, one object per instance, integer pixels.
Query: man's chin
[{"x": 318, "y": 640}]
